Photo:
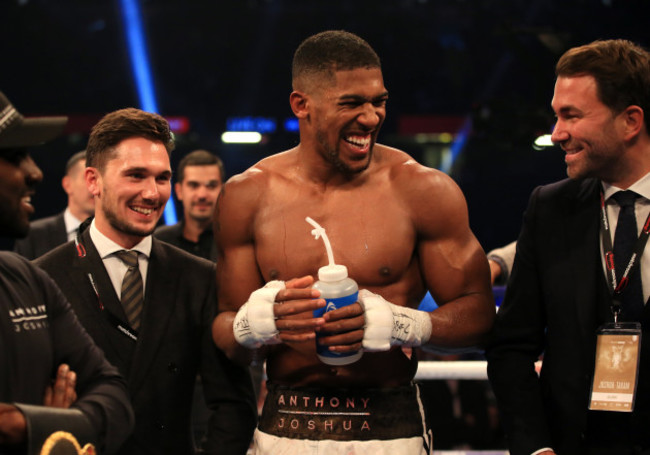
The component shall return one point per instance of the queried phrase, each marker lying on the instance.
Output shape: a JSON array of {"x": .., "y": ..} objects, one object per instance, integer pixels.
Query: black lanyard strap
[
  {"x": 113, "y": 320},
  {"x": 618, "y": 284},
  {"x": 116, "y": 322}
]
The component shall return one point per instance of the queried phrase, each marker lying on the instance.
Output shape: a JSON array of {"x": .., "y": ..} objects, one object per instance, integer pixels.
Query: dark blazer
[
  {"x": 44, "y": 235},
  {"x": 205, "y": 248},
  {"x": 556, "y": 299},
  {"x": 174, "y": 344}
]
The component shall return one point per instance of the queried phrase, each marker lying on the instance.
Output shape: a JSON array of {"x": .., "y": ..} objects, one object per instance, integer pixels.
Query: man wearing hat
[{"x": 46, "y": 357}]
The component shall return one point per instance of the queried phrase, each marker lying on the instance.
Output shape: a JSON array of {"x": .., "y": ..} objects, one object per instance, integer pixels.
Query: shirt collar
[
  {"x": 641, "y": 187},
  {"x": 106, "y": 247},
  {"x": 71, "y": 221}
]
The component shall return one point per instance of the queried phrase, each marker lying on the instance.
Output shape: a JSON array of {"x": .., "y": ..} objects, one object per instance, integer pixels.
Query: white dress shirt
[
  {"x": 641, "y": 210},
  {"x": 114, "y": 266},
  {"x": 71, "y": 224}
]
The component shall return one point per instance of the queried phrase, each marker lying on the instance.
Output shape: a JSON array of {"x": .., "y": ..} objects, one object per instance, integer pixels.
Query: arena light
[
  {"x": 457, "y": 146},
  {"x": 263, "y": 125},
  {"x": 241, "y": 137},
  {"x": 543, "y": 142},
  {"x": 137, "y": 46},
  {"x": 291, "y": 125}
]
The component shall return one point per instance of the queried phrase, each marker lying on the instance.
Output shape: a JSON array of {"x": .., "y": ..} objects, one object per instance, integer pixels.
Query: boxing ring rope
[
  {"x": 458, "y": 369},
  {"x": 455, "y": 369}
]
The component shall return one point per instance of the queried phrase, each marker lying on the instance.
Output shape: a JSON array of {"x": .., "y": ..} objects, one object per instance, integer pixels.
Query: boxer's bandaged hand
[
  {"x": 392, "y": 325},
  {"x": 254, "y": 324}
]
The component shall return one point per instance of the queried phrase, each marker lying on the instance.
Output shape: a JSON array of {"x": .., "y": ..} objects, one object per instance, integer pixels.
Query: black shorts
[{"x": 343, "y": 414}]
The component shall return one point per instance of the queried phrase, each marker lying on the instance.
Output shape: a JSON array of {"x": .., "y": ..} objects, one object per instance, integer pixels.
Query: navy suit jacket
[
  {"x": 556, "y": 299},
  {"x": 44, "y": 235},
  {"x": 174, "y": 344}
]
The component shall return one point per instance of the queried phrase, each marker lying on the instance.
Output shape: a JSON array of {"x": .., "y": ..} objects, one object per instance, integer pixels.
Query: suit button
[
  {"x": 172, "y": 368},
  {"x": 161, "y": 426}
]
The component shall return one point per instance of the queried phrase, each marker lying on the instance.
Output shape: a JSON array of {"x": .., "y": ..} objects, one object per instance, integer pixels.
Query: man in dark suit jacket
[
  {"x": 44, "y": 235},
  {"x": 48, "y": 233},
  {"x": 558, "y": 294},
  {"x": 200, "y": 175},
  {"x": 163, "y": 342}
]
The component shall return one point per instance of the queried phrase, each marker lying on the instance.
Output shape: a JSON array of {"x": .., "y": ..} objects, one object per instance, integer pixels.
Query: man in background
[
  {"x": 200, "y": 176},
  {"x": 50, "y": 232}
]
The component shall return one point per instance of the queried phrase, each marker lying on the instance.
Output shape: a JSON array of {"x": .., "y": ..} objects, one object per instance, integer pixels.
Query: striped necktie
[{"x": 132, "y": 295}]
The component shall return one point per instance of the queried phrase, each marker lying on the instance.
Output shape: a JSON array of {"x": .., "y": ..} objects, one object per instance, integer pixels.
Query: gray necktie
[{"x": 132, "y": 295}]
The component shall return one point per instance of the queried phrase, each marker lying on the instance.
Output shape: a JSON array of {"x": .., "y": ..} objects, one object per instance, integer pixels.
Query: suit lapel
[
  {"x": 583, "y": 242},
  {"x": 122, "y": 347},
  {"x": 159, "y": 304}
]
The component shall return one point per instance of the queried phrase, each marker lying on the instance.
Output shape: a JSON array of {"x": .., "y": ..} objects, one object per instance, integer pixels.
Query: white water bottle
[{"x": 338, "y": 290}]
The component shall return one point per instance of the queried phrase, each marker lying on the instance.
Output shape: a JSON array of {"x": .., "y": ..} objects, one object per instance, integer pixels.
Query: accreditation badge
[{"x": 618, "y": 349}]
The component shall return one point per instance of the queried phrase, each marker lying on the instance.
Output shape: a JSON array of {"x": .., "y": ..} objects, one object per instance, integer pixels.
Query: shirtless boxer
[{"x": 399, "y": 227}]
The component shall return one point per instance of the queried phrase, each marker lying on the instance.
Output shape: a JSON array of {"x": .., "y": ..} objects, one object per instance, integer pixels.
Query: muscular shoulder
[
  {"x": 263, "y": 172},
  {"x": 403, "y": 168},
  {"x": 429, "y": 194},
  {"x": 243, "y": 194}
]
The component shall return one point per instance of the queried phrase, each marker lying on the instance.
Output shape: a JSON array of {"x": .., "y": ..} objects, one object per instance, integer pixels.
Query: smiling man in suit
[
  {"x": 560, "y": 299},
  {"x": 147, "y": 304}
]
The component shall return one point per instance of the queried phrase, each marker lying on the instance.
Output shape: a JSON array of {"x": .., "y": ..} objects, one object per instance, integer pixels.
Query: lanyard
[
  {"x": 116, "y": 322},
  {"x": 617, "y": 286}
]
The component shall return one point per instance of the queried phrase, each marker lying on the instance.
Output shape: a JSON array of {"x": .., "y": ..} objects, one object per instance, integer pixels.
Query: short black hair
[
  {"x": 73, "y": 160},
  {"x": 331, "y": 51},
  {"x": 123, "y": 124},
  {"x": 621, "y": 70},
  {"x": 199, "y": 158}
]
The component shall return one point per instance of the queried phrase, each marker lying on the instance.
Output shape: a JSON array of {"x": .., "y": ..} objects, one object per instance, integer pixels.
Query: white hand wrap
[
  {"x": 254, "y": 324},
  {"x": 390, "y": 325}
]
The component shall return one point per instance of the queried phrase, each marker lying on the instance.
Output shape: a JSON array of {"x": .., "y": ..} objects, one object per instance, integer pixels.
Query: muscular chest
[{"x": 370, "y": 233}]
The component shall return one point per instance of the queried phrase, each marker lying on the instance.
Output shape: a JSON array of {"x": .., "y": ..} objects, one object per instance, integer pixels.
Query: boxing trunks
[{"x": 320, "y": 420}]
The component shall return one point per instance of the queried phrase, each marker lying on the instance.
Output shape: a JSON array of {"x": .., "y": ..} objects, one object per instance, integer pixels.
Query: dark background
[{"x": 487, "y": 61}]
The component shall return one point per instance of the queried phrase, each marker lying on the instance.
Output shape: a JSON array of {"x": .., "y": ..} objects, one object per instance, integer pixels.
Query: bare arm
[
  {"x": 237, "y": 273},
  {"x": 453, "y": 264}
]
